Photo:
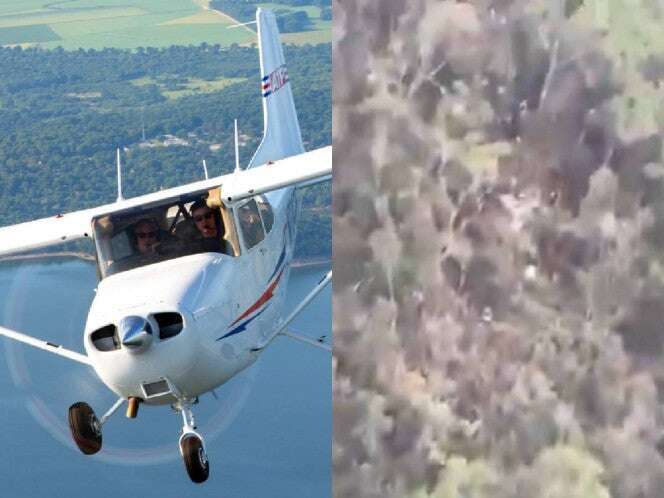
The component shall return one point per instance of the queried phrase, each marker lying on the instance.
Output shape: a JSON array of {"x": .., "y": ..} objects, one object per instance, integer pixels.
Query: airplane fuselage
[{"x": 230, "y": 306}]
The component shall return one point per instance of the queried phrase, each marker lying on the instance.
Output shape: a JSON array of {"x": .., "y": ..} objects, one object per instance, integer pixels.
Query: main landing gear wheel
[
  {"x": 195, "y": 459},
  {"x": 85, "y": 428}
]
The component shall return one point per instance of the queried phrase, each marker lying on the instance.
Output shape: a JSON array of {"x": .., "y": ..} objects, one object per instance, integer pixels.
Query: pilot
[
  {"x": 146, "y": 239},
  {"x": 146, "y": 232},
  {"x": 208, "y": 226},
  {"x": 251, "y": 225}
]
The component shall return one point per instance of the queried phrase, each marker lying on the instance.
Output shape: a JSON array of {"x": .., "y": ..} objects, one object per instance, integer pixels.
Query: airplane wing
[
  {"x": 294, "y": 170},
  {"x": 45, "y": 232},
  {"x": 291, "y": 171},
  {"x": 45, "y": 345}
]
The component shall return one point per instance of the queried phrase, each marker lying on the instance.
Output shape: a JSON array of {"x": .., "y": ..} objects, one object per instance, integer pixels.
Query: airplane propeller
[{"x": 136, "y": 333}]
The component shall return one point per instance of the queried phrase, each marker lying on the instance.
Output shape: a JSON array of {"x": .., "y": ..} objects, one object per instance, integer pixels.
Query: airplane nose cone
[{"x": 136, "y": 333}]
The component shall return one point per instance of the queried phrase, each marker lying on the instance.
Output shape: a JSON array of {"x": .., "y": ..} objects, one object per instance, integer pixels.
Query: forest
[
  {"x": 64, "y": 113},
  {"x": 288, "y": 20},
  {"x": 501, "y": 266}
]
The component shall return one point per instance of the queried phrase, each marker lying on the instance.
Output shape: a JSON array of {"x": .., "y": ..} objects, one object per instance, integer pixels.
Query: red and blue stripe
[{"x": 262, "y": 302}]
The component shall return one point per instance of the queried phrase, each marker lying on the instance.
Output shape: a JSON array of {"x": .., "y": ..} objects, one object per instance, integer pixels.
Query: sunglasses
[
  {"x": 146, "y": 235},
  {"x": 201, "y": 217}
]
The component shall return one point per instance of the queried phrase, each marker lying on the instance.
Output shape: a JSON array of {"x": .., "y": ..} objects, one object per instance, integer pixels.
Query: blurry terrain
[{"x": 498, "y": 249}]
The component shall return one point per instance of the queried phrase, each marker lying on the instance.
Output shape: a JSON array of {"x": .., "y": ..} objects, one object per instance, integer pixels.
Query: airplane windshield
[{"x": 143, "y": 236}]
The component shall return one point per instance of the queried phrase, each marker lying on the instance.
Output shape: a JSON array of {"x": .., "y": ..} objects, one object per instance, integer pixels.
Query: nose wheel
[
  {"x": 195, "y": 458},
  {"x": 192, "y": 447},
  {"x": 85, "y": 428}
]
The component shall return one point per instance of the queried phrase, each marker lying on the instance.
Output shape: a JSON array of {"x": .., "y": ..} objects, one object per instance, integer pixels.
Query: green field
[
  {"x": 322, "y": 34},
  {"x": 74, "y": 24},
  {"x": 35, "y": 33},
  {"x": 630, "y": 31},
  {"x": 192, "y": 86},
  {"x": 321, "y": 31}
]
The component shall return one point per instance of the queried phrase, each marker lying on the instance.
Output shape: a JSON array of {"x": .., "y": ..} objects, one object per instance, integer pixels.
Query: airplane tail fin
[{"x": 281, "y": 129}]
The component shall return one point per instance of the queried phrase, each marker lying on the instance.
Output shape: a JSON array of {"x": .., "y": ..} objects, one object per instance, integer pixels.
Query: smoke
[{"x": 498, "y": 276}]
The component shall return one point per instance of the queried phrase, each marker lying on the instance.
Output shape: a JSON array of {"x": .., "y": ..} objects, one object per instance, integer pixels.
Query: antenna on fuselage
[
  {"x": 119, "y": 164},
  {"x": 205, "y": 169},
  {"x": 237, "y": 148}
]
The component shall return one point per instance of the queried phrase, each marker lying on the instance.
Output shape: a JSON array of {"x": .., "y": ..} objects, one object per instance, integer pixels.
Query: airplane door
[{"x": 256, "y": 251}]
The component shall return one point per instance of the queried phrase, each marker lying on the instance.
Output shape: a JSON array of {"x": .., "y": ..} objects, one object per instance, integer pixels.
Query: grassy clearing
[
  {"x": 54, "y": 18},
  {"x": 483, "y": 158},
  {"x": 320, "y": 35},
  {"x": 28, "y": 34},
  {"x": 202, "y": 17},
  {"x": 196, "y": 86},
  {"x": 12, "y": 7},
  {"x": 191, "y": 87},
  {"x": 630, "y": 27},
  {"x": 630, "y": 32},
  {"x": 152, "y": 36}
]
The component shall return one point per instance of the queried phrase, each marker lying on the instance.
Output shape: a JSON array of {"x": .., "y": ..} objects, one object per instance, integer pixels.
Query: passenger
[
  {"x": 204, "y": 219},
  {"x": 252, "y": 228}
]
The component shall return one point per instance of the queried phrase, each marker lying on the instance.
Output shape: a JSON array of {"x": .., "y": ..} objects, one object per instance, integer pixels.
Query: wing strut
[
  {"x": 45, "y": 345},
  {"x": 299, "y": 337},
  {"x": 281, "y": 329}
]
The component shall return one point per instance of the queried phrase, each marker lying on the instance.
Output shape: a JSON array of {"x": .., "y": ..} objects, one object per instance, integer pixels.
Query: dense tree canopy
[
  {"x": 62, "y": 115},
  {"x": 292, "y": 22},
  {"x": 245, "y": 11},
  {"x": 498, "y": 228}
]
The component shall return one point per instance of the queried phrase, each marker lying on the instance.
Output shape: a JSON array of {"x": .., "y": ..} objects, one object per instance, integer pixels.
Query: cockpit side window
[
  {"x": 266, "y": 213},
  {"x": 121, "y": 246},
  {"x": 250, "y": 224}
]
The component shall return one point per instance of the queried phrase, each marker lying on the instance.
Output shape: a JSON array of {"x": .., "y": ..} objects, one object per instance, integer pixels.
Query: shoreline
[{"x": 47, "y": 255}]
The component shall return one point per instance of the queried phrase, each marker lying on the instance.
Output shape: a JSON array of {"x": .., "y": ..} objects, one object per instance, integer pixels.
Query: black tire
[
  {"x": 85, "y": 428},
  {"x": 195, "y": 459}
]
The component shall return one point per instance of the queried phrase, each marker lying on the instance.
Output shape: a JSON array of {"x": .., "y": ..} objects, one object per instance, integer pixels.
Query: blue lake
[{"x": 268, "y": 434}]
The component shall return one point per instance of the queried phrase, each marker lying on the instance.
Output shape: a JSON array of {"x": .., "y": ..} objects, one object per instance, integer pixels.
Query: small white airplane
[{"x": 192, "y": 279}]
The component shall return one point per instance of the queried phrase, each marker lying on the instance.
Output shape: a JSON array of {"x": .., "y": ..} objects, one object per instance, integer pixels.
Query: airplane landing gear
[
  {"x": 195, "y": 458},
  {"x": 192, "y": 447},
  {"x": 85, "y": 428},
  {"x": 86, "y": 431}
]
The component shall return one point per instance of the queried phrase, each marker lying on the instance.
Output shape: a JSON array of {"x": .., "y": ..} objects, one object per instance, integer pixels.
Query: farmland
[
  {"x": 131, "y": 24},
  {"x": 27, "y": 34}
]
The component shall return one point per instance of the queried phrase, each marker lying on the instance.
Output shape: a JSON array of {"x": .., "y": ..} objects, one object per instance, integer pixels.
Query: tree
[{"x": 293, "y": 22}]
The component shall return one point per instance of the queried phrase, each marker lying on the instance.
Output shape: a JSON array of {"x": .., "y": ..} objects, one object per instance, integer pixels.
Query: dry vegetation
[{"x": 498, "y": 254}]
